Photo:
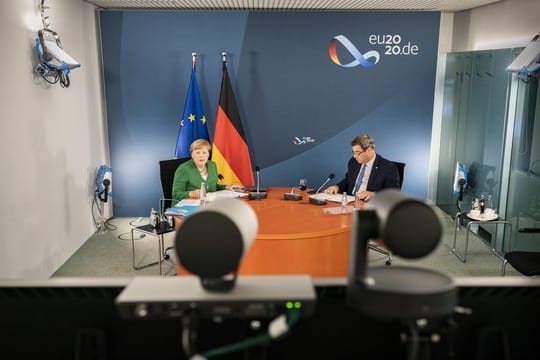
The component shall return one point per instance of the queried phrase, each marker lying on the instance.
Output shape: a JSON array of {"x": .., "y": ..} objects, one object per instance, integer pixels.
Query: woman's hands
[{"x": 194, "y": 194}]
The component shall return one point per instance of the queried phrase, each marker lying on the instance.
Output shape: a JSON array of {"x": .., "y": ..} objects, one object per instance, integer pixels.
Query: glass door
[
  {"x": 523, "y": 204},
  {"x": 473, "y": 129}
]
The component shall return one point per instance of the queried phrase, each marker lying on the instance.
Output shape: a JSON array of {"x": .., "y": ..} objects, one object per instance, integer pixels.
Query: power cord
[
  {"x": 97, "y": 210},
  {"x": 277, "y": 328},
  {"x": 110, "y": 226},
  {"x": 128, "y": 234}
]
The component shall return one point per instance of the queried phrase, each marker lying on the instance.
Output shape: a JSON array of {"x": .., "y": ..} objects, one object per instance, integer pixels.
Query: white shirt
[{"x": 367, "y": 173}]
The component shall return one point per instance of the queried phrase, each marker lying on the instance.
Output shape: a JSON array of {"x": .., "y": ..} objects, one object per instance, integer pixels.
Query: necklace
[{"x": 202, "y": 170}]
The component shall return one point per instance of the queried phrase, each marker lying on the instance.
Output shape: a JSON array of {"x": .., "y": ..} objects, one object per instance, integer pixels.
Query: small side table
[
  {"x": 158, "y": 233},
  {"x": 496, "y": 222}
]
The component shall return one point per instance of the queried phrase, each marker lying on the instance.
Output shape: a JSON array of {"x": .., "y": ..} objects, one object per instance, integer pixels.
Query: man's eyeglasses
[{"x": 358, "y": 153}]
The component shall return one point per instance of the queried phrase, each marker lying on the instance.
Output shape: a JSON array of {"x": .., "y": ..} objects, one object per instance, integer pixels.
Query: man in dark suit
[{"x": 367, "y": 171}]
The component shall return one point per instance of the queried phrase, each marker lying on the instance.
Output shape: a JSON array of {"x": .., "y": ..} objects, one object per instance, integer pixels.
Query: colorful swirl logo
[
  {"x": 298, "y": 141},
  {"x": 359, "y": 58}
]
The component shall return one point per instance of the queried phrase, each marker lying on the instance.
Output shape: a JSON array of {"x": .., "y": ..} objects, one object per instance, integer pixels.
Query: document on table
[
  {"x": 220, "y": 194},
  {"x": 332, "y": 197}
]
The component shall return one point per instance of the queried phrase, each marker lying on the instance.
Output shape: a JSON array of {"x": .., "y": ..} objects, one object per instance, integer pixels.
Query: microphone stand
[
  {"x": 324, "y": 183},
  {"x": 292, "y": 196},
  {"x": 257, "y": 195},
  {"x": 460, "y": 199},
  {"x": 102, "y": 196},
  {"x": 315, "y": 201}
]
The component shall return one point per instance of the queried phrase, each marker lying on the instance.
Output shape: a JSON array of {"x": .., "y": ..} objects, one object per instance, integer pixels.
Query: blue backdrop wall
[{"x": 299, "y": 107}]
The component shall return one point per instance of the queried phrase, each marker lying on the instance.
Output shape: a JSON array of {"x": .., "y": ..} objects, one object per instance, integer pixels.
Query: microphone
[
  {"x": 461, "y": 183},
  {"x": 313, "y": 200},
  {"x": 330, "y": 177},
  {"x": 105, "y": 192},
  {"x": 257, "y": 195},
  {"x": 257, "y": 171}
]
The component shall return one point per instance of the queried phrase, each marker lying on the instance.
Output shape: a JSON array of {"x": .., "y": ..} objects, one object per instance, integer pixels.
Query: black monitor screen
[{"x": 77, "y": 319}]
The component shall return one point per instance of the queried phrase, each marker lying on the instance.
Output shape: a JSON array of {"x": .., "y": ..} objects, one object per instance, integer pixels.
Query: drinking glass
[{"x": 303, "y": 184}]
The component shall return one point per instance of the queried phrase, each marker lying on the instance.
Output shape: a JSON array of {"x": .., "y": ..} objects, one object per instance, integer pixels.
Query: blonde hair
[{"x": 199, "y": 144}]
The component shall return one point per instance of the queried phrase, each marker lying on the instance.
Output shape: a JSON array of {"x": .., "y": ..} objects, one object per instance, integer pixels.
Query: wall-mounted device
[
  {"x": 528, "y": 61},
  {"x": 52, "y": 49},
  {"x": 102, "y": 193},
  {"x": 54, "y": 63}
]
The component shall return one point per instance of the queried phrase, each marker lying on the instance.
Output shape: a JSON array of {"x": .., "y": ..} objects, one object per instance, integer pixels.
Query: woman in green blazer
[{"x": 189, "y": 175}]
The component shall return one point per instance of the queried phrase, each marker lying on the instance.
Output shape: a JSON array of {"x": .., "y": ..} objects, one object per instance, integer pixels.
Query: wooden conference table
[{"x": 296, "y": 237}]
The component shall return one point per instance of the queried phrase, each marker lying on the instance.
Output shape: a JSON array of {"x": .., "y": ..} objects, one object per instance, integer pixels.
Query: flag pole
[
  {"x": 224, "y": 59},
  {"x": 193, "y": 122}
]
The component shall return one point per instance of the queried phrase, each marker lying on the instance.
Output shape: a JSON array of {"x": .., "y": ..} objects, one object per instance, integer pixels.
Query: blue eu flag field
[{"x": 193, "y": 122}]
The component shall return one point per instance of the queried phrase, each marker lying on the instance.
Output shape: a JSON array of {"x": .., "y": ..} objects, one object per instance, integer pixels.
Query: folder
[{"x": 182, "y": 211}]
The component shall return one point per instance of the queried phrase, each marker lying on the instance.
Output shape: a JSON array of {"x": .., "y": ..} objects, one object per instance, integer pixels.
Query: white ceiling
[{"x": 350, "y": 5}]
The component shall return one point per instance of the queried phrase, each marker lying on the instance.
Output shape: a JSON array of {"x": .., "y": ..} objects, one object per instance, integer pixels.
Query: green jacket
[{"x": 188, "y": 178}]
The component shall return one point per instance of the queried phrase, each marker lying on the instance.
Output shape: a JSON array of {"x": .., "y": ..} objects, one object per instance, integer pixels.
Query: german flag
[{"x": 230, "y": 150}]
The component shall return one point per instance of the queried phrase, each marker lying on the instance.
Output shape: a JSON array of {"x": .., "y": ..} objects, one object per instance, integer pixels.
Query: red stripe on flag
[{"x": 232, "y": 147}]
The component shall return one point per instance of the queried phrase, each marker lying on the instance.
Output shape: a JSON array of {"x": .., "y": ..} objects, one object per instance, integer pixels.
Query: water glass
[{"x": 303, "y": 184}]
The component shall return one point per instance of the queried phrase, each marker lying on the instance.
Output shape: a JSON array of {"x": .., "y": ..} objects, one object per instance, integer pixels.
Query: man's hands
[{"x": 332, "y": 189}]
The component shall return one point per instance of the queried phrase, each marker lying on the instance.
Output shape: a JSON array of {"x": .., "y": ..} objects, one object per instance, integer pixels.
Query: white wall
[
  {"x": 52, "y": 140},
  {"x": 505, "y": 24}
]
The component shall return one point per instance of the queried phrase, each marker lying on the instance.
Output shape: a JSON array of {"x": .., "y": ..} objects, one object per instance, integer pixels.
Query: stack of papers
[
  {"x": 332, "y": 197},
  {"x": 220, "y": 194}
]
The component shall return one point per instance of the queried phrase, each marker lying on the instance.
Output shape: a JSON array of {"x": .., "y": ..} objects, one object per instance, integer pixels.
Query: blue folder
[{"x": 183, "y": 211}]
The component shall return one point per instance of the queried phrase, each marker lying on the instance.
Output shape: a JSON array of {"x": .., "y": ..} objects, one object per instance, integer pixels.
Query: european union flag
[{"x": 193, "y": 123}]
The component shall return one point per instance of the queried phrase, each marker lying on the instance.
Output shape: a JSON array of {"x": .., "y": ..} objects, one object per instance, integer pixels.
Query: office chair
[
  {"x": 401, "y": 170},
  {"x": 167, "y": 168},
  {"x": 526, "y": 262}
]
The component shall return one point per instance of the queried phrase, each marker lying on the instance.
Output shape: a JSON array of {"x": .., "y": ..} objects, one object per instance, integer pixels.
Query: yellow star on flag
[
  {"x": 191, "y": 117},
  {"x": 203, "y": 119}
]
